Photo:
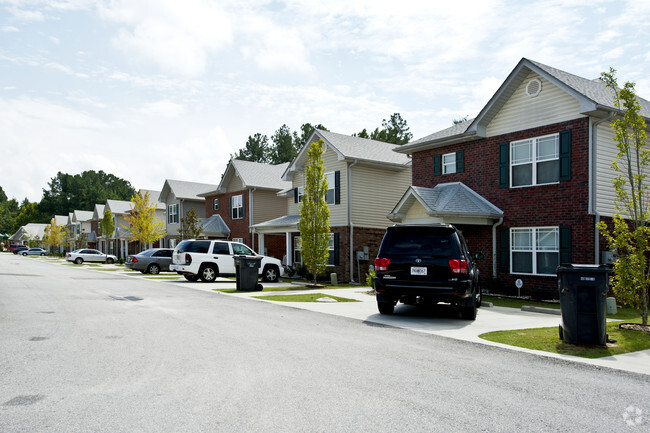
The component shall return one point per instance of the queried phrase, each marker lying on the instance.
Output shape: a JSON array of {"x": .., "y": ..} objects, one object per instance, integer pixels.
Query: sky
[{"x": 150, "y": 90}]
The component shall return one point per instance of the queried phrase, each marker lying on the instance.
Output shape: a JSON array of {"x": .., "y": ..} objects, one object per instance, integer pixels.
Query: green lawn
[{"x": 305, "y": 297}]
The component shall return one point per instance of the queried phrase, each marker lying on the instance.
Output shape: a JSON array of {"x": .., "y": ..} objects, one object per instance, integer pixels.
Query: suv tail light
[
  {"x": 381, "y": 264},
  {"x": 188, "y": 259},
  {"x": 458, "y": 266}
]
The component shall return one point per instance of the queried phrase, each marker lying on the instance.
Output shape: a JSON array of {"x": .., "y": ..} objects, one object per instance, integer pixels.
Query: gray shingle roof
[
  {"x": 351, "y": 147},
  {"x": 119, "y": 206},
  {"x": 186, "y": 190},
  {"x": 447, "y": 199},
  {"x": 215, "y": 226},
  {"x": 82, "y": 215},
  {"x": 457, "y": 129},
  {"x": 288, "y": 220}
]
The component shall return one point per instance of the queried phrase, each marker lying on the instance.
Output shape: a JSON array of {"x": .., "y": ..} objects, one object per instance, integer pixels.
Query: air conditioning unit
[{"x": 608, "y": 257}]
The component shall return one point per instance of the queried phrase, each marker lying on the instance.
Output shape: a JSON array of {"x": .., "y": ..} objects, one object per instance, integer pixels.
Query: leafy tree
[
  {"x": 55, "y": 235},
  {"x": 314, "y": 213},
  {"x": 460, "y": 120},
  {"x": 8, "y": 212},
  {"x": 82, "y": 240},
  {"x": 29, "y": 213},
  {"x": 306, "y": 130},
  {"x": 191, "y": 227},
  {"x": 3, "y": 196},
  {"x": 395, "y": 130},
  {"x": 106, "y": 226},
  {"x": 630, "y": 235},
  {"x": 257, "y": 149},
  {"x": 144, "y": 226},
  {"x": 82, "y": 191},
  {"x": 284, "y": 149}
]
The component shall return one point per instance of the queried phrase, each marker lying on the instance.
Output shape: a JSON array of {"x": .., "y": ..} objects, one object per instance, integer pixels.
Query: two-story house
[
  {"x": 527, "y": 180},
  {"x": 248, "y": 195},
  {"x": 178, "y": 198},
  {"x": 98, "y": 215},
  {"x": 365, "y": 179}
]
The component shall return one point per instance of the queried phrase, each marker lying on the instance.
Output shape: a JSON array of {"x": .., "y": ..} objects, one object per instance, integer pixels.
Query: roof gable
[
  {"x": 252, "y": 175},
  {"x": 183, "y": 190},
  {"x": 351, "y": 148}
]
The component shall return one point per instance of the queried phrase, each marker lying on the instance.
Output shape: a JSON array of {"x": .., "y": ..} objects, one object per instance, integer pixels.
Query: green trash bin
[
  {"x": 583, "y": 303},
  {"x": 247, "y": 271}
]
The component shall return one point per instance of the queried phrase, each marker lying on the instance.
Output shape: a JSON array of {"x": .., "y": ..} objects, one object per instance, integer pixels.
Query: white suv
[{"x": 208, "y": 259}]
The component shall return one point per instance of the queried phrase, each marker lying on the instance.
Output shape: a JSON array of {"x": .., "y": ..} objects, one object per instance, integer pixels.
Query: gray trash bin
[
  {"x": 247, "y": 270},
  {"x": 583, "y": 303}
]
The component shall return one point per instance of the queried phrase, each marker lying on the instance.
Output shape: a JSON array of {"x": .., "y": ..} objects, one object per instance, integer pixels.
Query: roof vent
[{"x": 533, "y": 87}]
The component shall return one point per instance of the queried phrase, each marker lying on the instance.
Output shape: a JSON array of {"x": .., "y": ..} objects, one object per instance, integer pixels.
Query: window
[
  {"x": 215, "y": 204},
  {"x": 331, "y": 246},
  {"x": 299, "y": 192},
  {"x": 241, "y": 249},
  {"x": 237, "y": 203},
  {"x": 331, "y": 183},
  {"x": 297, "y": 249},
  {"x": 535, "y": 161},
  {"x": 221, "y": 248},
  {"x": 331, "y": 259},
  {"x": 449, "y": 163},
  {"x": 535, "y": 250},
  {"x": 172, "y": 214}
]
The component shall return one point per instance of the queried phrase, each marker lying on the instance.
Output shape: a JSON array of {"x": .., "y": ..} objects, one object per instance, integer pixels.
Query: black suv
[{"x": 426, "y": 264}]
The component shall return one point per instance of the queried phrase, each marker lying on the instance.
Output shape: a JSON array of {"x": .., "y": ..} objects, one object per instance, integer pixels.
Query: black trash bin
[
  {"x": 246, "y": 270},
  {"x": 583, "y": 303}
]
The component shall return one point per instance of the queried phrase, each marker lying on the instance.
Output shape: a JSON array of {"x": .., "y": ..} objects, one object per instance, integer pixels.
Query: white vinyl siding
[{"x": 521, "y": 111}]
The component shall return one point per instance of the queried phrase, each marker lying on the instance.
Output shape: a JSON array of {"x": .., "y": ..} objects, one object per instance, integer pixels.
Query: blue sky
[{"x": 150, "y": 90}]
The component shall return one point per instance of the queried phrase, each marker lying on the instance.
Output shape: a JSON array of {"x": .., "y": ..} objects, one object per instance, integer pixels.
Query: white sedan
[{"x": 88, "y": 255}]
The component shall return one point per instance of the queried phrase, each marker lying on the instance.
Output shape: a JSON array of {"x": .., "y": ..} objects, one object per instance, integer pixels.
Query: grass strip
[
  {"x": 548, "y": 340},
  {"x": 625, "y": 313},
  {"x": 305, "y": 297}
]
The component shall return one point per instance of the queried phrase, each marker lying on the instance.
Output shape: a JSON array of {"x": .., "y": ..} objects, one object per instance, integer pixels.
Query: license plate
[{"x": 418, "y": 270}]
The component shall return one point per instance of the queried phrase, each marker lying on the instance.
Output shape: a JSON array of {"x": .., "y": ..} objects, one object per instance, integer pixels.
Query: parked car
[
  {"x": 208, "y": 259},
  {"x": 19, "y": 248},
  {"x": 33, "y": 252},
  {"x": 88, "y": 255},
  {"x": 426, "y": 264},
  {"x": 12, "y": 247},
  {"x": 151, "y": 261}
]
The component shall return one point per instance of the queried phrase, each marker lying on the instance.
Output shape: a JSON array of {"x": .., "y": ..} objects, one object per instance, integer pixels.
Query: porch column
[
  {"x": 260, "y": 242},
  {"x": 288, "y": 248}
]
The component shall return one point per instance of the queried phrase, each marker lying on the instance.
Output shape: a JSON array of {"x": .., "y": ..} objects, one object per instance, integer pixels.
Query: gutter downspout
[
  {"x": 593, "y": 135},
  {"x": 250, "y": 219},
  {"x": 494, "y": 246},
  {"x": 350, "y": 223}
]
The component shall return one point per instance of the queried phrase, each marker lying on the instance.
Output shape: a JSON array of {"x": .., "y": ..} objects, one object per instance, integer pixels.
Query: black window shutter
[
  {"x": 337, "y": 187},
  {"x": 336, "y": 249},
  {"x": 504, "y": 249},
  {"x": 460, "y": 161},
  {"x": 504, "y": 165},
  {"x": 243, "y": 206},
  {"x": 437, "y": 165},
  {"x": 565, "y": 155},
  {"x": 230, "y": 207},
  {"x": 295, "y": 195},
  {"x": 565, "y": 244}
]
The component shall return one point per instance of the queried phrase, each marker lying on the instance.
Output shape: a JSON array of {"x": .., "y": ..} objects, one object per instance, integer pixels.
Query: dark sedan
[{"x": 151, "y": 261}]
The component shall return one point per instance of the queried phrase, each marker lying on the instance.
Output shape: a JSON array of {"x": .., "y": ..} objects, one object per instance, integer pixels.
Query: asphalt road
[{"x": 89, "y": 351}]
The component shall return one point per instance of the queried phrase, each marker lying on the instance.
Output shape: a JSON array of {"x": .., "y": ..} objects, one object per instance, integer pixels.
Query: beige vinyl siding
[
  {"x": 298, "y": 181},
  {"x": 606, "y": 153},
  {"x": 235, "y": 184},
  {"x": 521, "y": 111},
  {"x": 375, "y": 192},
  {"x": 267, "y": 206},
  {"x": 338, "y": 212}
]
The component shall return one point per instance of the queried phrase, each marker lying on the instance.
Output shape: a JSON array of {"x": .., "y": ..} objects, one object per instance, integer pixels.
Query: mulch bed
[{"x": 635, "y": 327}]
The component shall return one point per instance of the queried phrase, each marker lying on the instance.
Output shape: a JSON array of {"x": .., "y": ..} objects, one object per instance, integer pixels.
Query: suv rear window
[
  {"x": 408, "y": 241},
  {"x": 193, "y": 247}
]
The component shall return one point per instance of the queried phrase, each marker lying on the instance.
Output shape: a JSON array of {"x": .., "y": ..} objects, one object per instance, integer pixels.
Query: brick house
[
  {"x": 248, "y": 195},
  {"x": 526, "y": 180},
  {"x": 365, "y": 179}
]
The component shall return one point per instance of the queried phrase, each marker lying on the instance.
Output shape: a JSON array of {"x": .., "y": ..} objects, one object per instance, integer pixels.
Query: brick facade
[
  {"x": 239, "y": 228},
  {"x": 564, "y": 203}
]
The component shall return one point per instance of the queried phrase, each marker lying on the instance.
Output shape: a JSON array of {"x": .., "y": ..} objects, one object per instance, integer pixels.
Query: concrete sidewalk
[{"x": 445, "y": 324}]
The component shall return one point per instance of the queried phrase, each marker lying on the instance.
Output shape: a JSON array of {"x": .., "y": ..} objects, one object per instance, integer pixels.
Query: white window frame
[
  {"x": 215, "y": 204},
  {"x": 297, "y": 249},
  {"x": 449, "y": 163},
  {"x": 534, "y": 248},
  {"x": 331, "y": 187},
  {"x": 172, "y": 214},
  {"x": 301, "y": 191},
  {"x": 237, "y": 204},
  {"x": 533, "y": 159}
]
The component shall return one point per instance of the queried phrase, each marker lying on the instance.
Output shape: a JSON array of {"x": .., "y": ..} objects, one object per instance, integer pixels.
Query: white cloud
[
  {"x": 164, "y": 108},
  {"x": 9, "y": 29},
  {"x": 177, "y": 36}
]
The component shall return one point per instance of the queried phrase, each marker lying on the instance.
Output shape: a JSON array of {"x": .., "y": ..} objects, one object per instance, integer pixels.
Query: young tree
[
  {"x": 630, "y": 235},
  {"x": 314, "y": 213},
  {"x": 106, "y": 226},
  {"x": 144, "y": 226},
  {"x": 191, "y": 227},
  {"x": 55, "y": 235}
]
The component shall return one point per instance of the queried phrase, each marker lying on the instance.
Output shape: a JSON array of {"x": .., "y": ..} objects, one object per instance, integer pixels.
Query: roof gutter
[{"x": 350, "y": 222}]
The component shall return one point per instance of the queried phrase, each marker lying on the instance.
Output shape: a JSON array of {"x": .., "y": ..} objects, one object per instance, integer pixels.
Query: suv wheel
[
  {"x": 469, "y": 313},
  {"x": 208, "y": 274},
  {"x": 385, "y": 307},
  {"x": 270, "y": 274}
]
